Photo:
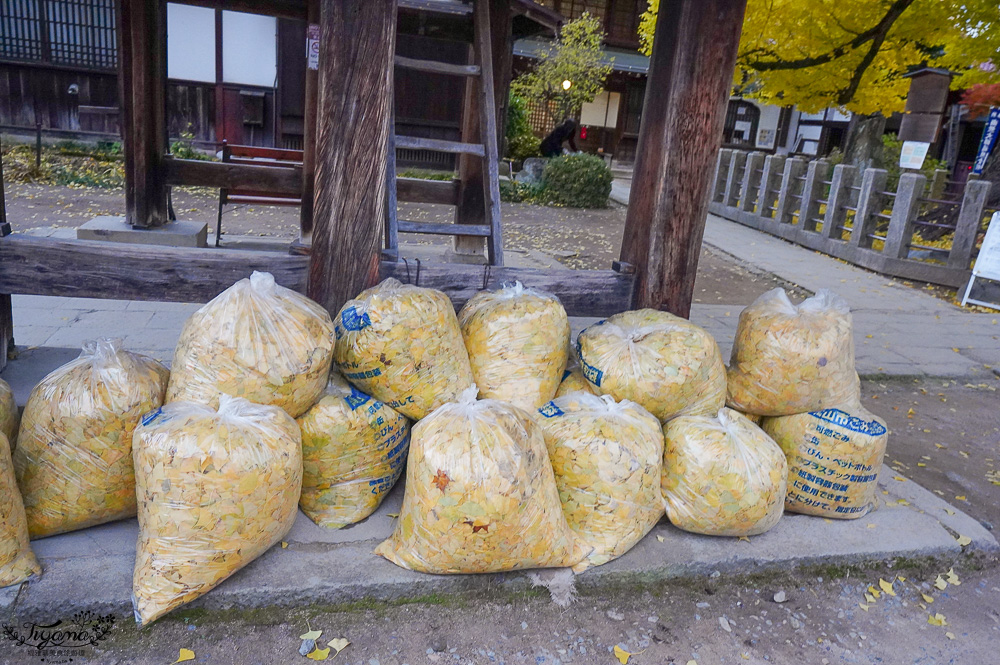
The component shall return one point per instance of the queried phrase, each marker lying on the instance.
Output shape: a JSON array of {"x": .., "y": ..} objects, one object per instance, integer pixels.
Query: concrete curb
[{"x": 92, "y": 569}]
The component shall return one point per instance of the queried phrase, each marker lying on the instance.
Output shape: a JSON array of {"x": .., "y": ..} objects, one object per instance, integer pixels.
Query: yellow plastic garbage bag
[
  {"x": 256, "y": 340},
  {"x": 791, "y": 359},
  {"x": 664, "y": 363},
  {"x": 722, "y": 476},
  {"x": 573, "y": 381},
  {"x": 480, "y": 495},
  {"x": 517, "y": 340},
  {"x": 353, "y": 451},
  {"x": 401, "y": 344},
  {"x": 9, "y": 417},
  {"x": 73, "y": 460},
  {"x": 215, "y": 490},
  {"x": 17, "y": 561},
  {"x": 607, "y": 458},
  {"x": 834, "y": 457}
]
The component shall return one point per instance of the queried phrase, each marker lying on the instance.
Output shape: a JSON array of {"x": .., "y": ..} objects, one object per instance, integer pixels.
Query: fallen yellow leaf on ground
[
  {"x": 927, "y": 598},
  {"x": 952, "y": 577},
  {"x": 964, "y": 540},
  {"x": 311, "y": 635},
  {"x": 937, "y": 620},
  {"x": 319, "y": 654},
  {"x": 886, "y": 586},
  {"x": 950, "y": 635},
  {"x": 960, "y": 497},
  {"x": 940, "y": 583},
  {"x": 863, "y": 606},
  {"x": 622, "y": 655},
  {"x": 184, "y": 655},
  {"x": 338, "y": 644}
]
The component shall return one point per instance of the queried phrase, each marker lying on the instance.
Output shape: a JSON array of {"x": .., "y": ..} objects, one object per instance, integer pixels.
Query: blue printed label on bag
[
  {"x": 367, "y": 374},
  {"x": 550, "y": 410},
  {"x": 356, "y": 398},
  {"x": 354, "y": 321},
  {"x": 849, "y": 422},
  {"x": 590, "y": 372},
  {"x": 151, "y": 416}
]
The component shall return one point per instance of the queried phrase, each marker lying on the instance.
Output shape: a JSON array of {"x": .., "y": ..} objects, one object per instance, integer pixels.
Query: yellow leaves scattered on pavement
[
  {"x": 886, "y": 587},
  {"x": 937, "y": 620}
]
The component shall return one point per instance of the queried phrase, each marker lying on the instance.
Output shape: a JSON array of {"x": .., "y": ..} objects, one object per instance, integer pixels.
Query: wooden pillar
[
  {"x": 6, "y": 311},
  {"x": 301, "y": 246},
  {"x": 142, "y": 77},
  {"x": 357, "y": 44},
  {"x": 502, "y": 43},
  {"x": 690, "y": 77},
  {"x": 840, "y": 194}
]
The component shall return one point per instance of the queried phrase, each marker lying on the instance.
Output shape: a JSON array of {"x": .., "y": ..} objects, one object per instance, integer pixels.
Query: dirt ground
[{"x": 579, "y": 239}]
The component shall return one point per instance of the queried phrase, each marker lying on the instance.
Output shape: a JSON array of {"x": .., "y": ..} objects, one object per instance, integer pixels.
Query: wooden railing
[{"x": 832, "y": 210}]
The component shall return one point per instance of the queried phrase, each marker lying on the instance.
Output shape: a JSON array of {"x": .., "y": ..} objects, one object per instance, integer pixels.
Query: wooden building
[{"x": 231, "y": 75}]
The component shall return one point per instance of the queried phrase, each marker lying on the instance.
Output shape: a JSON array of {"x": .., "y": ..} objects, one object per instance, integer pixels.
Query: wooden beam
[
  {"x": 227, "y": 175},
  {"x": 142, "y": 78},
  {"x": 435, "y": 67},
  {"x": 435, "y": 228},
  {"x": 281, "y": 8},
  {"x": 439, "y": 145},
  {"x": 502, "y": 43},
  {"x": 32, "y": 265},
  {"x": 417, "y": 190},
  {"x": 357, "y": 44},
  {"x": 690, "y": 77}
]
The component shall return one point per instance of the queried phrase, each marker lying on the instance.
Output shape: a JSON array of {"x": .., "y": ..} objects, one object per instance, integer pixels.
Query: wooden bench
[{"x": 256, "y": 156}]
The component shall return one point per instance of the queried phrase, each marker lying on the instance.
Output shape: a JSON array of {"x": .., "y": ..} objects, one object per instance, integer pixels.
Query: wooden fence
[{"x": 926, "y": 230}]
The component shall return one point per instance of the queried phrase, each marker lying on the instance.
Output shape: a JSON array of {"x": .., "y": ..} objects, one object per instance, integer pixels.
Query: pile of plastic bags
[
  {"x": 353, "y": 452},
  {"x": 480, "y": 495},
  {"x": 216, "y": 489},
  {"x": 517, "y": 340},
  {"x": 402, "y": 345},
  {"x": 665, "y": 363},
  {"x": 256, "y": 340},
  {"x": 73, "y": 460},
  {"x": 607, "y": 458}
]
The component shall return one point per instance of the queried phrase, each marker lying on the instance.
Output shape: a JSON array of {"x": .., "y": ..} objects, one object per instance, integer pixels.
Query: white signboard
[
  {"x": 312, "y": 46},
  {"x": 913, "y": 154},
  {"x": 988, "y": 262}
]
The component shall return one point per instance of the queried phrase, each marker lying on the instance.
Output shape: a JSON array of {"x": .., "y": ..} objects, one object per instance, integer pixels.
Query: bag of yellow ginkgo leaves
[
  {"x": 517, "y": 340},
  {"x": 401, "y": 344},
  {"x": 662, "y": 362},
  {"x": 834, "y": 457},
  {"x": 607, "y": 458},
  {"x": 73, "y": 460},
  {"x": 8, "y": 414},
  {"x": 353, "y": 452},
  {"x": 722, "y": 476},
  {"x": 791, "y": 359},
  {"x": 255, "y": 340},
  {"x": 17, "y": 561},
  {"x": 480, "y": 495},
  {"x": 215, "y": 491}
]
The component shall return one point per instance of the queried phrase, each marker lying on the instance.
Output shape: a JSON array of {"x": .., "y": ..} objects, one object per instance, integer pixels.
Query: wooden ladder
[{"x": 430, "y": 191}]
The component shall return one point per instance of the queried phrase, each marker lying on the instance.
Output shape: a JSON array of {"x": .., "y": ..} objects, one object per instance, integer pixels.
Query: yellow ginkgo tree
[{"x": 853, "y": 54}]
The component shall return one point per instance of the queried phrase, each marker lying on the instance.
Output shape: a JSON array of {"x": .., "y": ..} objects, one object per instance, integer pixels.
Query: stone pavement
[{"x": 900, "y": 331}]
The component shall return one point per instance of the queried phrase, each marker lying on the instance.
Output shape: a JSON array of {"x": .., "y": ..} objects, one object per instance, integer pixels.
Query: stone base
[{"x": 174, "y": 234}]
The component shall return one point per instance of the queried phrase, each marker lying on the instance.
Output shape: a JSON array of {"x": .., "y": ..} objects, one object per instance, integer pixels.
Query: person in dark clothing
[{"x": 552, "y": 145}]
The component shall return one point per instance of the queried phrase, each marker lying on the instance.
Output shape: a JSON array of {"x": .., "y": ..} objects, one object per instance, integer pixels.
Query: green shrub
[
  {"x": 519, "y": 192},
  {"x": 521, "y": 141},
  {"x": 578, "y": 181},
  {"x": 888, "y": 158},
  {"x": 425, "y": 174}
]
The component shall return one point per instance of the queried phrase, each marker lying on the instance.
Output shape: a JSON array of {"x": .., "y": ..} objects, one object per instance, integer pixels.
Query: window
[{"x": 76, "y": 33}]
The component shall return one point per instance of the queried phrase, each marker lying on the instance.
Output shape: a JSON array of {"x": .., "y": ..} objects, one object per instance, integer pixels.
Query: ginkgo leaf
[
  {"x": 940, "y": 583},
  {"x": 744, "y": 538},
  {"x": 863, "y": 606},
  {"x": 886, "y": 586},
  {"x": 952, "y": 577},
  {"x": 960, "y": 497},
  {"x": 899, "y": 478},
  {"x": 964, "y": 540},
  {"x": 311, "y": 635},
  {"x": 870, "y": 598},
  {"x": 950, "y": 635},
  {"x": 660, "y": 538},
  {"x": 927, "y": 598},
  {"x": 902, "y": 502},
  {"x": 338, "y": 644},
  {"x": 184, "y": 655},
  {"x": 622, "y": 655},
  {"x": 319, "y": 654},
  {"x": 900, "y": 578},
  {"x": 937, "y": 620},
  {"x": 284, "y": 545},
  {"x": 873, "y": 591}
]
